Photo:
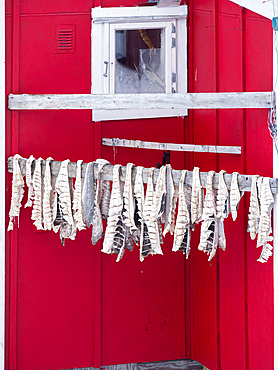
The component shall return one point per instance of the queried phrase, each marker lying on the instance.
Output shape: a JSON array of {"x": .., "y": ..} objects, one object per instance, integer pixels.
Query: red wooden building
[{"x": 74, "y": 307}]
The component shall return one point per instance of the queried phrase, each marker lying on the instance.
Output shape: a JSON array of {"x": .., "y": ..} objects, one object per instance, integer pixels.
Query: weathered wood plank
[
  {"x": 171, "y": 146},
  {"x": 142, "y": 101},
  {"x": 107, "y": 174}
]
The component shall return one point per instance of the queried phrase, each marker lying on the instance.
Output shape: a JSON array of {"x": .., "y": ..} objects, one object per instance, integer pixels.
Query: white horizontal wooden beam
[
  {"x": 143, "y": 101},
  {"x": 137, "y": 14},
  {"x": 244, "y": 181},
  {"x": 170, "y": 146}
]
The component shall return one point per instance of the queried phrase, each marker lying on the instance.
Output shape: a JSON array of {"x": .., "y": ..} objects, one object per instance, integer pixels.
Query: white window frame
[{"x": 105, "y": 22}]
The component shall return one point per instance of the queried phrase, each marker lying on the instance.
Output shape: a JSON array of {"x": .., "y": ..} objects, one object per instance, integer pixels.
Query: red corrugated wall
[{"x": 75, "y": 307}]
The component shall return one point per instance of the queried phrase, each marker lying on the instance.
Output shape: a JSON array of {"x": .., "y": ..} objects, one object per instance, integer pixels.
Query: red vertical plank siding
[
  {"x": 230, "y": 305},
  {"x": 9, "y": 28},
  {"x": 231, "y": 262},
  {"x": 258, "y": 160},
  {"x": 75, "y": 307},
  {"x": 204, "y": 275},
  {"x": 149, "y": 317}
]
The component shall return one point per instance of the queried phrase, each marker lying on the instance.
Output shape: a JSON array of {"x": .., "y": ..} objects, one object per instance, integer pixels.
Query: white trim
[
  {"x": 2, "y": 183},
  {"x": 137, "y": 14},
  {"x": 262, "y": 7}
]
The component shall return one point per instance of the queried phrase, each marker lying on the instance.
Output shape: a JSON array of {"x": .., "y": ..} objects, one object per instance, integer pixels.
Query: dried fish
[
  {"x": 138, "y": 203},
  {"x": 196, "y": 198},
  {"x": 139, "y": 195},
  {"x": 128, "y": 200},
  {"x": 222, "y": 202},
  {"x": 119, "y": 239},
  {"x": 188, "y": 196},
  {"x": 254, "y": 209},
  {"x": 105, "y": 198},
  {"x": 48, "y": 197},
  {"x": 182, "y": 232},
  {"x": 171, "y": 218},
  {"x": 160, "y": 195},
  {"x": 115, "y": 209},
  {"x": 209, "y": 227},
  {"x": 17, "y": 192},
  {"x": 67, "y": 232},
  {"x": 29, "y": 181},
  {"x": 149, "y": 242},
  {"x": 97, "y": 229},
  {"x": 77, "y": 205},
  {"x": 58, "y": 218},
  {"x": 63, "y": 218},
  {"x": 38, "y": 197},
  {"x": 235, "y": 195},
  {"x": 88, "y": 196},
  {"x": 63, "y": 189},
  {"x": 267, "y": 202},
  {"x": 170, "y": 189}
]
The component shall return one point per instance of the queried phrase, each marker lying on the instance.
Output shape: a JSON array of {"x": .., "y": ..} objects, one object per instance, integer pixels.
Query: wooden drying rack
[{"x": 244, "y": 181}]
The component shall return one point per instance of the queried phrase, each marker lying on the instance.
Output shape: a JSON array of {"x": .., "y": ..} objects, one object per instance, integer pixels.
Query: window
[{"x": 139, "y": 50}]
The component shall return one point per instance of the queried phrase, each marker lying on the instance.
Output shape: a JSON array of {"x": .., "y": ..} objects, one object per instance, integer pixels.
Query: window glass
[{"x": 140, "y": 61}]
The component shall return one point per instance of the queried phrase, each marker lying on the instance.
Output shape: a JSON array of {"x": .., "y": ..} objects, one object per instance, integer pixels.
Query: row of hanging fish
[{"x": 134, "y": 216}]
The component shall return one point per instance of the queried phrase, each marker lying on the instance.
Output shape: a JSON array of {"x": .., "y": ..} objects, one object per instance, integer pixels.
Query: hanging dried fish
[
  {"x": 170, "y": 189},
  {"x": 58, "y": 218},
  {"x": 254, "y": 209},
  {"x": 17, "y": 192},
  {"x": 182, "y": 232},
  {"x": 63, "y": 220},
  {"x": 160, "y": 195},
  {"x": 115, "y": 209},
  {"x": 188, "y": 196},
  {"x": 149, "y": 242},
  {"x": 119, "y": 239},
  {"x": 235, "y": 195},
  {"x": 267, "y": 202},
  {"x": 63, "y": 190},
  {"x": 138, "y": 203},
  {"x": 105, "y": 198},
  {"x": 196, "y": 198},
  {"x": 171, "y": 218},
  {"x": 128, "y": 200},
  {"x": 222, "y": 202},
  {"x": 160, "y": 200},
  {"x": 97, "y": 229},
  {"x": 77, "y": 205},
  {"x": 38, "y": 197},
  {"x": 29, "y": 181},
  {"x": 209, "y": 227},
  {"x": 88, "y": 196},
  {"x": 67, "y": 232},
  {"x": 48, "y": 197}
]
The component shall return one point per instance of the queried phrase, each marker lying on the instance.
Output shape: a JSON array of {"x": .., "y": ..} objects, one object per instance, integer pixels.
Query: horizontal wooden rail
[
  {"x": 143, "y": 101},
  {"x": 170, "y": 146},
  {"x": 107, "y": 174}
]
